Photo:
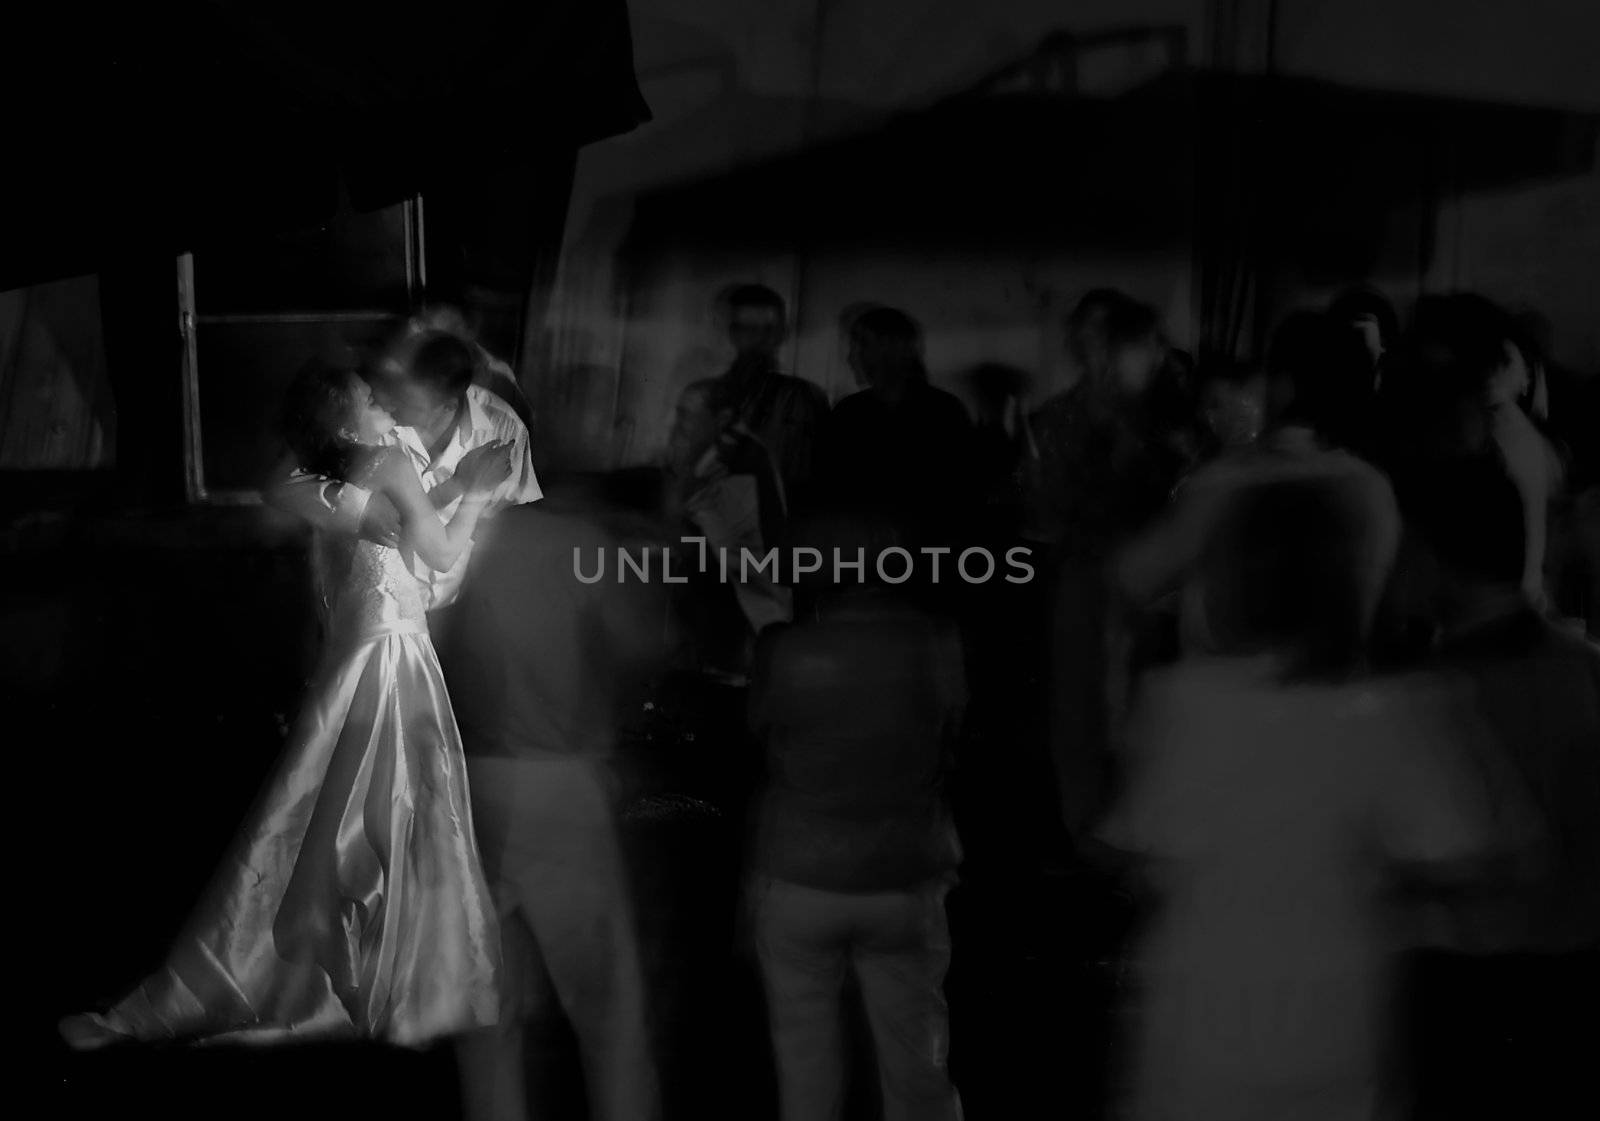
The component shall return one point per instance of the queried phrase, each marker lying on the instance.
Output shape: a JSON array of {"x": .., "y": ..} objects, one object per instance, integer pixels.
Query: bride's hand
[{"x": 489, "y": 469}]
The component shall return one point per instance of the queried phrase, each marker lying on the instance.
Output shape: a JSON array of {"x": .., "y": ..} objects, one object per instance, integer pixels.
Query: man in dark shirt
[
  {"x": 784, "y": 412},
  {"x": 1101, "y": 469},
  {"x": 1102, "y": 466},
  {"x": 543, "y": 661},
  {"x": 857, "y": 709},
  {"x": 900, "y": 449}
]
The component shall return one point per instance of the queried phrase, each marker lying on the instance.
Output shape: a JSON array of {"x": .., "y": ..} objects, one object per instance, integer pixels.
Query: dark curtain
[
  {"x": 1227, "y": 182},
  {"x": 493, "y": 242},
  {"x": 1300, "y": 183}
]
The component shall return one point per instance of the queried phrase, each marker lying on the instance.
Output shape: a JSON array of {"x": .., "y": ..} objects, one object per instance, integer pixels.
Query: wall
[
  {"x": 733, "y": 84},
  {"x": 1534, "y": 244},
  {"x": 1519, "y": 52}
]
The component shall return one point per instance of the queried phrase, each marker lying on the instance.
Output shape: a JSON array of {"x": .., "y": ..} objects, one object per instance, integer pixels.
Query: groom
[{"x": 443, "y": 421}]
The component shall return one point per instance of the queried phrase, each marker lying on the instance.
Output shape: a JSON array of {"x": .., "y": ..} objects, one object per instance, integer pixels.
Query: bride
[{"x": 352, "y": 904}]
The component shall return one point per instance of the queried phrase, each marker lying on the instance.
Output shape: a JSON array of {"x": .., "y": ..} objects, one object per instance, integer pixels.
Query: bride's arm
[
  {"x": 446, "y": 492},
  {"x": 456, "y": 486},
  {"x": 330, "y": 505},
  {"x": 439, "y": 545}
]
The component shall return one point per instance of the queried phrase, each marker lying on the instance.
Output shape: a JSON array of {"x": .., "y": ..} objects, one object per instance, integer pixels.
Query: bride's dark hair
[{"x": 315, "y": 408}]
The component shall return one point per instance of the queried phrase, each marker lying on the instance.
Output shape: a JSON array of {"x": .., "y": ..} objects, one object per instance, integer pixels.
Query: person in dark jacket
[{"x": 855, "y": 850}]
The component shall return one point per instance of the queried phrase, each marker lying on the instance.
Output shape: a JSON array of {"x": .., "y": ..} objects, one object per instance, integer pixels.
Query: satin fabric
[{"x": 353, "y": 903}]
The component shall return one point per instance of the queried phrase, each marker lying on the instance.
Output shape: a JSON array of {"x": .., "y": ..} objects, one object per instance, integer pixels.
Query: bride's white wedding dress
[{"x": 353, "y": 904}]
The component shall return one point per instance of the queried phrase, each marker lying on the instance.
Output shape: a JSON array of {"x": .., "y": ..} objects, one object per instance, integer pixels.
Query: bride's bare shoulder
[{"x": 378, "y": 465}]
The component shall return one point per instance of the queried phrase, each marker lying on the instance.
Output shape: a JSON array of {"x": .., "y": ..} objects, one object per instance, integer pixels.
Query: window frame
[{"x": 190, "y": 321}]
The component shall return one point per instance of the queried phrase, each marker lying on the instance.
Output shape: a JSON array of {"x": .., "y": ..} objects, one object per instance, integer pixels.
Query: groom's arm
[
  {"x": 523, "y": 485},
  {"x": 512, "y": 492}
]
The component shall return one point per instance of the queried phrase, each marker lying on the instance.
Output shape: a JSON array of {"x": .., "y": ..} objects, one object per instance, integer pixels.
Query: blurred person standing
[
  {"x": 900, "y": 449},
  {"x": 1312, "y": 414},
  {"x": 999, "y": 447},
  {"x": 783, "y": 411},
  {"x": 1276, "y": 797},
  {"x": 1098, "y": 466},
  {"x": 1460, "y": 387},
  {"x": 1232, "y": 404},
  {"x": 1100, "y": 469},
  {"x": 1367, "y": 313},
  {"x": 857, "y": 709},
  {"x": 723, "y": 500},
  {"x": 548, "y": 663}
]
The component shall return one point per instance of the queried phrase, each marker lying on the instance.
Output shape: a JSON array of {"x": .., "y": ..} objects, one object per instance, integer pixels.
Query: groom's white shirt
[{"x": 486, "y": 419}]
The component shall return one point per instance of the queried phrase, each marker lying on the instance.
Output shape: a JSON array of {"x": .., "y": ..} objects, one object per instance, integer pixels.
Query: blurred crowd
[{"x": 1304, "y": 666}]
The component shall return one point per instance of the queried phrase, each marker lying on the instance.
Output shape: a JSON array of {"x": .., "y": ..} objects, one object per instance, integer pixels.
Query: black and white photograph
[{"x": 802, "y": 560}]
